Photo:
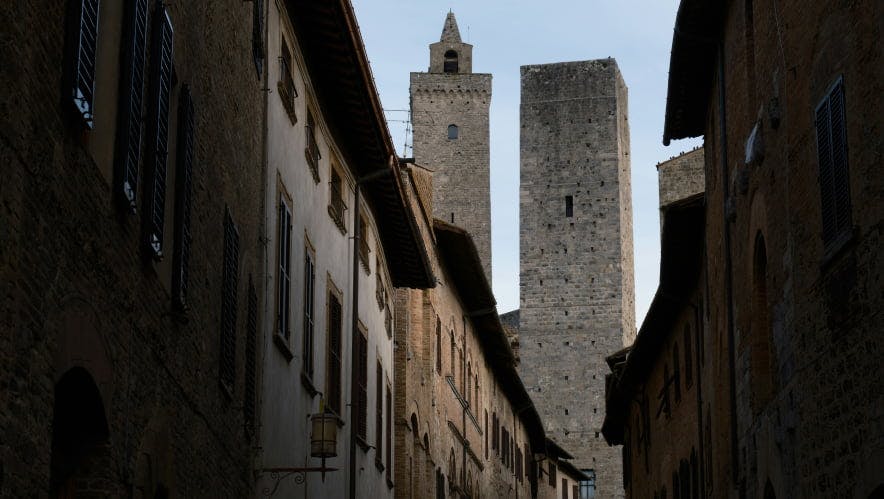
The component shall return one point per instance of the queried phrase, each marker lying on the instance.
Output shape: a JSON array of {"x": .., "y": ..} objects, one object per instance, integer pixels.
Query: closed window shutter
[
  {"x": 379, "y": 412},
  {"x": 183, "y": 197},
  {"x": 832, "y": 155},
  {"x": 309, "y": 277},
  {"x": 249, "y": 394},
  {"x": 228, "y": 304},
  {"x": 362, "y": 394},
  {"x": 389, "y": 434},
  {"x": 158, "y": 136},
  {"x": 334, "y": 355},
  {"x": 84, "y": 45},
  {"x": 284, "y": 255},
  {"x": 128, "y": 151},
  {"x": 258, "y": 35}
]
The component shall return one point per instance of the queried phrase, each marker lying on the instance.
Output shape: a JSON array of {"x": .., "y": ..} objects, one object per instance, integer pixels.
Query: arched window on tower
[
  {"x": 450, "y": 64},
  {"x": 452, "y": 132}
]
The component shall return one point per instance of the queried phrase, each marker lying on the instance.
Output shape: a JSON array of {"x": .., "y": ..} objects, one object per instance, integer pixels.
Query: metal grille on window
[
  {"x": 82, "y": 59},
  {"x": 183, "y": 198},
  {"x": 249, "y": 394},
  {"x": 333, "y": 390},
  {"x": 230, "y": 276},
  {"x": 833, "y": 165},
  {"x": 362, "y": 385},
  {"x": 158, "y": 133},
  {"x": 309, "y": 278},
  {"x": 128, "y": 148},
  {"x": 283, "y": 327}
]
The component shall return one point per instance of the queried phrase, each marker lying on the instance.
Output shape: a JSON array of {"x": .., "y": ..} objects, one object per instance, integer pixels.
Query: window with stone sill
[
  {"x": 364, "y": 249},
  {"x": 336, "y": 205},
  {"x": 311, "y": 150},
  {"x": 286, "y": 85}
]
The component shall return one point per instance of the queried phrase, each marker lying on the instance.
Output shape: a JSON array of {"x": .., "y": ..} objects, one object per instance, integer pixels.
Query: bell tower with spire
[{"x": 449, "y": 114}]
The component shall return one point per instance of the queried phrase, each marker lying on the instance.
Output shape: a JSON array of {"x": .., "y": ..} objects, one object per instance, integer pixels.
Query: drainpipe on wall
[{"x": 728, "y": 265}]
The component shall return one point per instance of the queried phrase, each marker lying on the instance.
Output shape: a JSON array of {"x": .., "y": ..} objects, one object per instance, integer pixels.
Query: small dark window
[
  {"x": 333, "y": 354},
  {"x": 158, "y": 134},
  {"x": 84, "y": 46},
  {"x": 311, "y": 152},
  {"x": 230, "y": 276},
  {"x": 286, "y": 84},
  {"x": 309, "y": 280},
  {"x": 450, "y": 64},
  {"x": 452, "y": 132},
  {"x": 364, "y": 250},
  {"x": 438, "y": 346},
  {"x": 284, "y": 272},
  {"x": 379, "y": 416},
  {"x": 388, "y": 435},
  {"x": 832, "y": 152},
  {"x": 676, "y": 376},
  {"x": 128, "y": 147},
  {"x": 336, "y": 205},
  {"x": 569, "y": 206},
  {"x": 258, "y": 35},
  {"x": 361, "y": 367}
]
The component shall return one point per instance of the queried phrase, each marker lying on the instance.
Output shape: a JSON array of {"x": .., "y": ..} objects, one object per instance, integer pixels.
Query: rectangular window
[
  {"x": 309, "y": 287},
  {"x": 551, "y": 471},
  {"x": 183, "y": 199},
  {"x": 676, "y": 376},
  {"x": 360, "y": 364},
  {"x": 364, "y": 250},
  {"x": 380, "y": 290},
  {"x": 831, "y": 138},
  {"x": 388, "y": 322},
  {"x": 284, "y": 267},
  {"x": 389, "y": 435},
  {"x": 486, "y": 434},
  {"x": 158, "y": 133},
  {"x": 286, "y": 85},
  {"x": 230, "y": 276},
  {"x": 84, "y": 44},
  {"x": 311, "y": 151},
  {"x": 569, "y": 206},
  {"x": 128, "y": 146},
  {"x": 587, "y": 487},
  {"x": 333, "y": 354},
  {"x": 379, "y": 416},
  {"x": 336, "y": 204},
  {"x": 258, "y": 35},
  {"x": 564, "y": 488},
  {"x": 664, "y": 393},
  {"x": 249, "y": 394}
]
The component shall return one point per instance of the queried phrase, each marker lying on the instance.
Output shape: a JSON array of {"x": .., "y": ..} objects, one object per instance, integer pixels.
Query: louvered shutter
[
  {"x": 258, "y": 35},
  {"x": 362, "y": 393},
  {"x": 249, "y": 394},
  {"x": 82, "y": 57},
  {"x": 379, "y": 412},
  {"x": 389, "y": 435},
  {"x": 230, "y": 276},
  {"x": 183, "y": 197},
  {"x": 334, "y": 355},
  {"x": 833, "y": 165},
  {"x": 284, "y": 255},
  {"x": 309, "y": 277},
  {"x": 128, "y": 151},
  {"x": 158, "y": 134}
]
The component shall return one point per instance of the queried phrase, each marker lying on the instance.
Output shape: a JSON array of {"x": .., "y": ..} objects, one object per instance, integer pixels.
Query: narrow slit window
[
  {"x": 569, "y": 206},
  {"x": 452, "y": 132}
]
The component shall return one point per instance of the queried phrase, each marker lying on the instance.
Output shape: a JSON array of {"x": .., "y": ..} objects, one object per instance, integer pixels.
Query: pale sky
[{"x": 509, "y": 34}]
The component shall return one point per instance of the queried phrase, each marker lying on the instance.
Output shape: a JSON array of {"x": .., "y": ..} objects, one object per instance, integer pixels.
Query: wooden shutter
[
  {"x": 389, "y": 435},
  {"x": 230, "y": 275},
  {"x": 249, "y": 394},
  {"x": 309, "y": 278},
  {"x": 333, "y": 389},
  {"x": 362, "y": 385},
  {"x": 183, "y": 198},
  {"x": 284, "y": 255},
  {"x": 833, "y": 166},
  {"x": 379, "y": 412},
  {"x": 84, "y": 46},
  {"x": 158, "y": 132},
  {"x": 128, "y": 149}
]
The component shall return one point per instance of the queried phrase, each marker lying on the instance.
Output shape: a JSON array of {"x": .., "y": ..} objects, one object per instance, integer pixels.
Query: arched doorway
[{"x": 80, "y": 455}]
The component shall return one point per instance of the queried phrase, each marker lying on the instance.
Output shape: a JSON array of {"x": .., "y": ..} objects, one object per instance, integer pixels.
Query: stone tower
[
  {"x": 449, "y": 113},
  {"x": 576, "y": 263}
]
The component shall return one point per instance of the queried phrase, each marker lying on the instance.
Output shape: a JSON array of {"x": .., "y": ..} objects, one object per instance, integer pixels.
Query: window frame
[
  {"x": 334, "y": 359},
  {"x": 285, "y": 85}
]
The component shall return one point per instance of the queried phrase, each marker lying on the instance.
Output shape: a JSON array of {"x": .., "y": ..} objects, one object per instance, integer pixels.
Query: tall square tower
[
  {"x": 576, "y": 257},
  {"x": 449, "y": 113}
]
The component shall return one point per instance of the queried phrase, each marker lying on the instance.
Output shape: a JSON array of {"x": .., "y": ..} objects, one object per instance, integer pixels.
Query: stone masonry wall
[
  {"x": 576, "y": 276},
  {"x": 75, "y": 290},
  {"x": 461, "y": 182},
  {"x": 681, "y": 177}
]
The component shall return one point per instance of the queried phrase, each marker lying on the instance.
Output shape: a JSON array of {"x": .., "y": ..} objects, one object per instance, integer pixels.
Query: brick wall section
[
  {"x": 76, "y": 291},
  {"x": 821, "y": 434},
  {"x": 461, "y": 182},
  {"x": 576, "y": 275}
]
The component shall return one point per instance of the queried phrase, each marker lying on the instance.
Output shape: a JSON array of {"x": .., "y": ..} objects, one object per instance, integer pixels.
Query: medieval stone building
[
  {"x": 576, "y": 267},
  {"x": 449, "y": 113}
]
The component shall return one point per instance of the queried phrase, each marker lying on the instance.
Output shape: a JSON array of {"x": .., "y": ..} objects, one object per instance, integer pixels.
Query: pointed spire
[{"x": 450, "y": 33}]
